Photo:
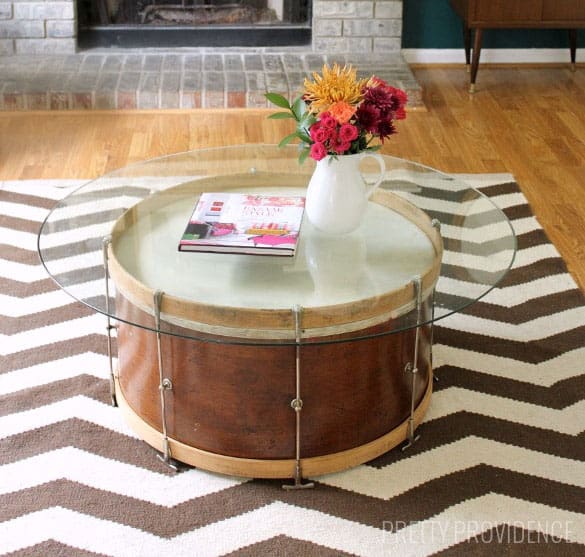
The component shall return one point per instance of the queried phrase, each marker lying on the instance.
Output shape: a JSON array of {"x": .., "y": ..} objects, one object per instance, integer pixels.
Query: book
[{"x": 244, "y": 223}]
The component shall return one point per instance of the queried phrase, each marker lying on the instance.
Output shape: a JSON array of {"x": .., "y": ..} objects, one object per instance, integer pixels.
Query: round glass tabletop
[{"x": 429, "y": 245}]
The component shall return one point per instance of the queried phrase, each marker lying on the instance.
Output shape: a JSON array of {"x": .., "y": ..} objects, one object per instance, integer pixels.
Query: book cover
[{"x": 244, "y": 223}]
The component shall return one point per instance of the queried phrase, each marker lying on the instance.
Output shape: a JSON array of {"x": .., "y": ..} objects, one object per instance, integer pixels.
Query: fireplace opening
[{"x": 169, "y": 23}]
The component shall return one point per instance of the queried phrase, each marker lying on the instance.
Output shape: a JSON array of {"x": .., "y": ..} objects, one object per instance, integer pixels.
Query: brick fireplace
[{"x": 339, "y": 26}]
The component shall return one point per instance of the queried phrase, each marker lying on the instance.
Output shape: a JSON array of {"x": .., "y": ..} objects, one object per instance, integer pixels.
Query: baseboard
[{"x": 491, "y": 55}]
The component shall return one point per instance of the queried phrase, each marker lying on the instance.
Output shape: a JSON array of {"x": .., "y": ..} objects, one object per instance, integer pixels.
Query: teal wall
[{"x": 433, "y": 24}]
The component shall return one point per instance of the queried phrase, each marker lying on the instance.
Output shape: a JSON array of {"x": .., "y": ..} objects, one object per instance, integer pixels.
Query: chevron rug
[{"x": 499, "y": 468}]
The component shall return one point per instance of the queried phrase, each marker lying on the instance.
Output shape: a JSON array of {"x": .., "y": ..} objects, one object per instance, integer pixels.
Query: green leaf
[
  {"x": 287, "y": 139},
  {"x": 304, "y": 136},
  {"x": 303, "y": 155},
  {"x": 307, "y": 120},
  {"x": 281, "y": 116},
  {"x": 299, "y": 108},
  {"x": 278, "y": 100}
]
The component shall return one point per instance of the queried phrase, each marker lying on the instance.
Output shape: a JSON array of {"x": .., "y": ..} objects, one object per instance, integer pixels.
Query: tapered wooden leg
[
  {"x": 467, "y": 45},
  {"x": 475, "y": 61},
  {"x": 573, "y": 47}
]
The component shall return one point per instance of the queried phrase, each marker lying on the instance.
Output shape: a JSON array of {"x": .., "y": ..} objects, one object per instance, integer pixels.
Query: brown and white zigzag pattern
[{"x": 500, "y": 464}]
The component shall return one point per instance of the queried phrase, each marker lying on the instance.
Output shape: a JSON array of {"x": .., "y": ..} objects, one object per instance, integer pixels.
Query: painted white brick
[
  {"x": 6, "y": 47},
  {"x": 327, "y": 27},
  {"x": 61, "y": 28},
  {"x": 42, "y": 46},
  {"x": 388, "y": 9},
  {"x": 13, "y": 29},
  {"x": 335, "y": 9},
  {"x": 5, "y": 10},
  {"x": 393, "y": 44},
  {"x": 328, "y": 44},
  {"x": 44, "y": 10},
  {"x": 342, "y": 45},
  {"x": 372, "y": 27}
]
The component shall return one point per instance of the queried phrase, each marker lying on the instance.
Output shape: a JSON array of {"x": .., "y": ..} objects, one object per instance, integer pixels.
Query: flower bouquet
[{"x": 339, "y": 114}]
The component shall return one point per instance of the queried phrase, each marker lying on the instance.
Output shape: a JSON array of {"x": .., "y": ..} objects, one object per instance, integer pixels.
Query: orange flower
[{"x": 342, "y": 111}]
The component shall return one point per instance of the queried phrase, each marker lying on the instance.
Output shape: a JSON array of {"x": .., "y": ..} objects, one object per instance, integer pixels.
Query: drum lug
[
  {"x": 436, "y": 223},
  {"x": 412, "y": 367},
  {"x": 297, "y": 406},
  {"x": 165, "y": 384},
  {"x": 106, "y": 241}
]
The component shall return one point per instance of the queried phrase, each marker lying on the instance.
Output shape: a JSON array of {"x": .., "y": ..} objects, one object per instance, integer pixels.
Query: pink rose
[
  {"x": 340, "y": 146},
  {"x": 348, "y": 132},
  {"x": 318, "y": 151},
  {"x": 318, "y": 133},
  {"x": 327, "y": 121}
]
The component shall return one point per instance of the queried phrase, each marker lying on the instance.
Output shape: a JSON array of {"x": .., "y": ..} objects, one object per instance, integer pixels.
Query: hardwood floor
[{"x": 527, "y": 121}]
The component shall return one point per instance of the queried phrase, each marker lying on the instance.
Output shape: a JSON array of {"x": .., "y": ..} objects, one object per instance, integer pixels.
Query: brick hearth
[
  {"x": 42, "y": 68},
  {"x": 122, "y": 80}
]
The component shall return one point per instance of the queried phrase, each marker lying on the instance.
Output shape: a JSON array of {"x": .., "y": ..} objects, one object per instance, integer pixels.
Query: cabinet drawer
[
  {"x": 507, "y": 10},
  {"x": 563, "y": 10}
]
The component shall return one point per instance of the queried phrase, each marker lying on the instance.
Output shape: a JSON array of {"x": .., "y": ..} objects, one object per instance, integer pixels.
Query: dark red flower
[
  {"x": 399, "y": 100},
  {"x": 385, "y": 129},
  {"x": 380, "y": 97},
  {"x": 368, "y": 117},
  {"x": 379, "y": 82}
]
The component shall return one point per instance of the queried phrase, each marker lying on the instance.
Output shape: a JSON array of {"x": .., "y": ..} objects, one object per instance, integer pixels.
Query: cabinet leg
[
  {"x": 573, "y": 47},
  {"x": 475, "y": 61},
  {"x": 467, "y": 46}
]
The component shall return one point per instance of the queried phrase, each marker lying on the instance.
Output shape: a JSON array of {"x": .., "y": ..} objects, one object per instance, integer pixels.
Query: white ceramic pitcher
[{"x": 338, "y": 194}]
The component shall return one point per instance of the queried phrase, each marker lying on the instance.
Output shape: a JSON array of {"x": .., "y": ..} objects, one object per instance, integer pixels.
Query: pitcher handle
[{"x": 371, "y": 187}]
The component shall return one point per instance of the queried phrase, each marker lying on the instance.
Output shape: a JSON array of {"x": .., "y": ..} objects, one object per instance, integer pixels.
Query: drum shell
[{"x": 234, "y": 399}]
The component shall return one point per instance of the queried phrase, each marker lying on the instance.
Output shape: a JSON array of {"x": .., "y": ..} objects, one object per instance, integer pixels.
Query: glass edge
[{"x": 285, "y": 342}]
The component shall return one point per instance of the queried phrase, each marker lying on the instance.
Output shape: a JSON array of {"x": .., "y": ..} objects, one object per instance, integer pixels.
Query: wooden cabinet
[
  {"x": 512, "y": 11},
  {"x": 563, "y": 10},
  {"x": 478, "y": 15}
]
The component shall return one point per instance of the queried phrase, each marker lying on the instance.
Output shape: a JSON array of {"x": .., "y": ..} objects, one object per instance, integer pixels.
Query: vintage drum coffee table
[{"x": 268, "y": 366}]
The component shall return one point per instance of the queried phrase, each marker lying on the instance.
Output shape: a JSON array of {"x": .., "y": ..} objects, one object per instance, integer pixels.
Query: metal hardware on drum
[
  {"x": 165, "y": 384},
  {"x": 297, "y": 406},
  {"x": 432, "y": 335},
  {"x": 107, "y": 240},
  {"x": 413, "y": 367},
  {"x": 436, "y": 223}
]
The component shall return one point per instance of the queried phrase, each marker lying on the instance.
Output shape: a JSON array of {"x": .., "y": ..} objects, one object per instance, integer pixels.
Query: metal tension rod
[
  {"x": 165, "y": 384},
  {"x": 412, "y": 367},
  {"x": 109, "y": 327},
  {"x": 436, "y": 223},
  {"x": 297, "y": 406}
]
